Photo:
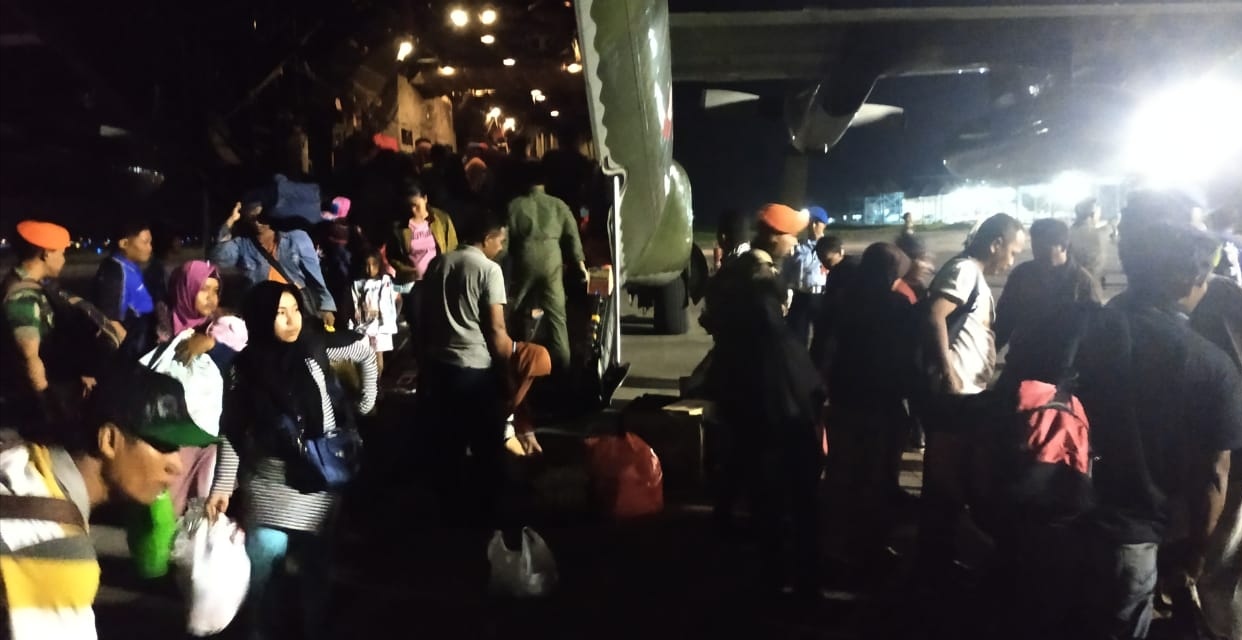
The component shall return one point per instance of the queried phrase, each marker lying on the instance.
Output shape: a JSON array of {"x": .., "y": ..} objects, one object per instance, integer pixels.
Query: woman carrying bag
[
  {"x": 196, "y": 347},
  {"x": 296, "y": 434},
  {"x": 193, "y": 303}
]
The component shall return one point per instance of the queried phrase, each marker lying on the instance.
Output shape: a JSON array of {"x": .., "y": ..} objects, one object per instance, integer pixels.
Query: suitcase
[{"x": 677, "y": 433}]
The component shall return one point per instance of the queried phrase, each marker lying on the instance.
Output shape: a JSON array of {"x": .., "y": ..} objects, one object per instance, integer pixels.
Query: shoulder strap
[
  {"x": 969, "y": 304},
  {"x": 271, "y": 260},
  {"x": 41, "y": 508},
  {"x": 307, "y": 299},
  {"x": 159, "y": 353},
  {"x": 973, "y": 298},
  {"x": 70, "y": 480}
]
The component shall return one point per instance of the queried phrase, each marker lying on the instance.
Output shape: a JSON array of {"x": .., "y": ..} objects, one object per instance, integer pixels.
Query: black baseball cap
[{"x": 149, "y": 405}]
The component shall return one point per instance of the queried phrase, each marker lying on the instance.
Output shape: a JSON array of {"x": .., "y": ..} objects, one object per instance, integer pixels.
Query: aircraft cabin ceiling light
[{"x": 404, "y": 50}]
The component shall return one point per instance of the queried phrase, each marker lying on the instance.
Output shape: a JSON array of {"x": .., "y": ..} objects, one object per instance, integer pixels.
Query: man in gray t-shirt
[
  {"x": 462, "y": 287},
  {"x": 464, "y": 347}
]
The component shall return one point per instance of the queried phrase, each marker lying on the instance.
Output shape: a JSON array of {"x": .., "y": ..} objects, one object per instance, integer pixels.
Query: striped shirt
[
  {"x": 49, "y": 570},
  {"x": 272, "y": 502}
]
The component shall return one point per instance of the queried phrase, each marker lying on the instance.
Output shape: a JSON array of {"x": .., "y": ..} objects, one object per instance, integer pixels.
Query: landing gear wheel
[{"x": 671, "y": 317}]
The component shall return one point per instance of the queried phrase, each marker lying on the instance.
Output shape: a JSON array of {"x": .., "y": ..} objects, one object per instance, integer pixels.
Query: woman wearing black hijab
[
  {"x": 284, "y": 379},
  {"x": 868, "y": 379}
]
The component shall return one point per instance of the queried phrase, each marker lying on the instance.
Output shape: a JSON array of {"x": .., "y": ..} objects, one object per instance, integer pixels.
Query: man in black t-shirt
[
  {"x": 1165, "y": 411},
  {"x": 1037, "y": 288}
]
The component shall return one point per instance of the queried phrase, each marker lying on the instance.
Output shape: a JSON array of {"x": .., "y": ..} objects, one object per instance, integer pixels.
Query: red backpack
[{"x": 1032, "y": 455}]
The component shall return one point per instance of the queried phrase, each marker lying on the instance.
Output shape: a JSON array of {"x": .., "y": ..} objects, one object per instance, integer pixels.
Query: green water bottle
[{"x": 150, "y": 535}]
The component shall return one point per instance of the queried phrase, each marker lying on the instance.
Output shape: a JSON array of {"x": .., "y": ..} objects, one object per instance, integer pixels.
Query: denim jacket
[{"x": 295, "y": 252}]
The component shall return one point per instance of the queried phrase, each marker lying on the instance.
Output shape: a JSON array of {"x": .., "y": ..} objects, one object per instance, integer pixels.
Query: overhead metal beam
[{"x": 698, "y": 20}]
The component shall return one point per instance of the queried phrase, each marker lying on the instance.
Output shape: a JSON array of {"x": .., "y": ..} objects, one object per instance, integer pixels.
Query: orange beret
[
  {"x": 784, "y": 219},
  {"x": 44, "y": 235}
]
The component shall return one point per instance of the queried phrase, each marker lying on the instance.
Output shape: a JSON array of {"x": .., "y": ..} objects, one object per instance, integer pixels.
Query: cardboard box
[{"x": 676, "y": 432}]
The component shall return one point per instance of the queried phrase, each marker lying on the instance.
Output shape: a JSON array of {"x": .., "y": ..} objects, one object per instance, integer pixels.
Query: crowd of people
[
  {"x": 891, "y": 350},
  {"x": 149, "y": 385},
  {"x": 826, "y": 366}
]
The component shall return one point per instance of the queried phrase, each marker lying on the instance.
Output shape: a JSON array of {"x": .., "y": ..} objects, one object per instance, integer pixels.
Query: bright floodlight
[
  {"x": 554, "y": 113},
  {"x": 404, "y": 50},
  {"x": 447, "y": 70},
  {"x": 508, "y": 62},
  {"x": 573, "y": 67},
  {"x": 488, "y": 16},
  {"x": 459, "y": 17},
  {"x": 488, "y": 39},
  {"x": 493, "y": 113},
  {"x": 510, "y": 124},
  {"x": 1070, "y": 187},
  {"x": 1187, "y": 134}
]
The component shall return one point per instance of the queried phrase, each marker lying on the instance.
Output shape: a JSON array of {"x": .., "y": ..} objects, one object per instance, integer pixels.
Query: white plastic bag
[
  {"x": 526, "y": 573},
  {"x": 212, "y": 569},
  {"x": 201, "y": 379}
]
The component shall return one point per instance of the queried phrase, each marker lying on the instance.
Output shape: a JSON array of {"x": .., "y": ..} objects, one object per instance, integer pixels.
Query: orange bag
[{"x": 626, "y": 475}]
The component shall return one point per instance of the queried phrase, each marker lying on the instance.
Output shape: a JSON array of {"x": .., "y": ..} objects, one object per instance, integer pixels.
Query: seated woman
[{"x": 284, "y": 380}]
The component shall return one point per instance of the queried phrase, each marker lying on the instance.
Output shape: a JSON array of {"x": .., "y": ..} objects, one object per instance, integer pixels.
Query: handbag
[
  {"x": 324, "y": 462},
  {"x": 334, "y": 456}
]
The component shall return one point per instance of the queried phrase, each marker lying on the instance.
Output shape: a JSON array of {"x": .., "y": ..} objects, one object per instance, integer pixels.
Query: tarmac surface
[{"x": 399, "y": 574}]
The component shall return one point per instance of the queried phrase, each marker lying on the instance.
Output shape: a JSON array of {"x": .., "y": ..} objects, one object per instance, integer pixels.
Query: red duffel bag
[{"x": 626, "y": 475}]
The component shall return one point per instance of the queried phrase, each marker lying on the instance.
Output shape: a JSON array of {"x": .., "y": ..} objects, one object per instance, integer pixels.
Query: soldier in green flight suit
[{"x": 543, "y": 237}]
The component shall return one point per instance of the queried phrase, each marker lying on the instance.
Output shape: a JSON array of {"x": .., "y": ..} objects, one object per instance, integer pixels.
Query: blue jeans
[
  {"x": 268, "y": 548},
  {"x": 1120, "y": 584}
]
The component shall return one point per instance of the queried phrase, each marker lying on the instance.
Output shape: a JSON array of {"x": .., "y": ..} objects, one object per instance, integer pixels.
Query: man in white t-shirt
[
  {"x": 963, "y": 308},
  {"x": 464, "y": 346},
  {"x": 961, "y": 355}
]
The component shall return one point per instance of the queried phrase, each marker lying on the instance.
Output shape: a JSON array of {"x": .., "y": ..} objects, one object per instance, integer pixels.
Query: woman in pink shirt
[{"x": 415, "y": 242}]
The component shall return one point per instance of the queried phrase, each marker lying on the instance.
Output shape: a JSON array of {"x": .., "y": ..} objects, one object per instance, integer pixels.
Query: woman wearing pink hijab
[{"x": 194, "y": 304}]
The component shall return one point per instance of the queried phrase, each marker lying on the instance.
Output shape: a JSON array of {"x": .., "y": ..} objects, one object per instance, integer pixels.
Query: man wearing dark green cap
[{"x": 125, "y": 451}]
